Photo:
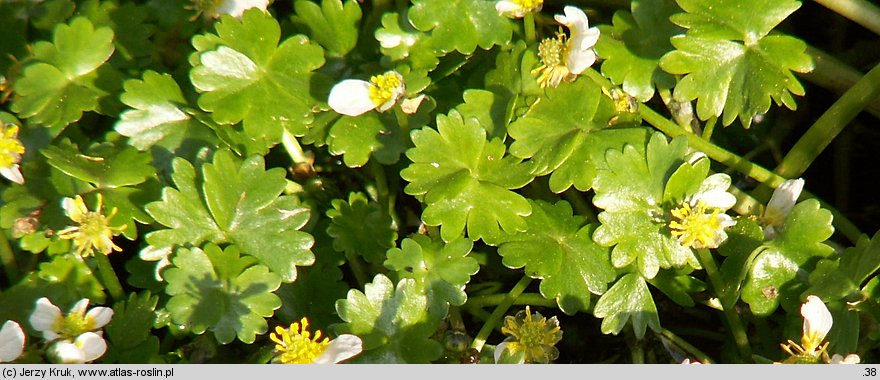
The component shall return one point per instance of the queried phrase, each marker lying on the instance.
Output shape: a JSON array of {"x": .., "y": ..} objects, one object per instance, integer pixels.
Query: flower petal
[
  {"x": 13, "y": 173},
  {"x": 342, "y": 348},
  {"x": 80, "y": 307},
  {"x": 817, "y": 322},
  {"x": 99, "y": 316},
  {"x": 236, "y": 8},
  {"x": 849, "y": 359},
  {"x": 782, "y": 201},
  {"x": 65, "y": 352},
  {"x": 44, "y": 316},
  {"x": 713, "y": 192},
  {"x": 510, "y": 9},
  {"x": 351, "y": 97},
  {"x": 499, "y": 350},
  {"x": 579, "y": 60},
  {"x": 11, "y": 341},
  {"x": 92, "y": 345}
]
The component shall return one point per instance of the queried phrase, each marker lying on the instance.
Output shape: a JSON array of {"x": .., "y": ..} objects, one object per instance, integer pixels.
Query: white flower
[
  {"x": 47, "y": 319},
  {"x": 11, "y": 341},
  {"x": 849, "y": 359},
  {"x": 817, "y": 323},
  {"x": 236, "y": 8},
  {"x": 518, "y": 8},
  {"x": 565, "y": 58},
  {"x": 713, "y": 192},
  {"x": 296, "y": 345},
  {"x": 85, "y": 348},
  {"x": 781, "y": 202},
  {"x": 354, "y": 97}
]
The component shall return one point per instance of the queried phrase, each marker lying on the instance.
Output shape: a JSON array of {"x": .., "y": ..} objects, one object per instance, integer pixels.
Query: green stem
[
  {"x": 709, "y": 128},
  {"x": 7, "y": 257},
  {"x": 829, "y": 125},
  {"x": 402, "y": 121},
  {"x": 690, "y": 349},
  {"x": 731, "y": 160},
  {"x": 835, "y": 75},
  {"x": 385, "y": 198},
  {"x": 733, "y": 321},
  {"x": 635, "y": 347},
  {"x": 479, "y": 302},
  {"x": 861, "y": 12},
  {"x": 499, "y": 312},
  {"x": 357, "y": 268},
  {"x": 529, "y": 23},
  {"x": 108, "y": 275}
]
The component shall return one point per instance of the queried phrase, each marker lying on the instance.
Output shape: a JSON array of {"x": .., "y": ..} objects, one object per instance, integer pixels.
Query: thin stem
[
  {"x": 756, "y": 172},
  {"x": 479, "y": 302},
  {"x": 830, "y": 124},
  {"x": 402, "y": 121},
  {"x": 861, "y": 12},
  {"x": 499, "y": 312},
  {"x": 10, "y": 266},
  {"x": 733, "y": 321},
  {"x": 357, "y": 268},
  {"x": 294, "y": 150},
  {"x": 635, "y": 348},
  {"x": 384, "y": 195},
  {"x": 529, "y": 23},
  {"x": 709, "y": 128},
  {"x": 690, "y": 349},
  {"x": 108, "y": 275}
]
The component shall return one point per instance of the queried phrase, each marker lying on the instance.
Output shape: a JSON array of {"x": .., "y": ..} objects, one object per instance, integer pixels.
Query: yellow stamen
[
  {"x": 386, "y": 88},
  {"x": 93, "y": 232},
  {"x": 296, "y": 346},
  {"x": 553, "y": 53},
  {"x": 695, "y": 228},
  {"x": 11, "y": 148}
]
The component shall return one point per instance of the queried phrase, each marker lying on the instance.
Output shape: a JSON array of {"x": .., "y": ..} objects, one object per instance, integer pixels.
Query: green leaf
[
  {"x": 361, "y": 228},
  {"x": 331, "y": 24},
  {"x": 243, "y": 74},
  {"x": 632, "y": 48},
  {"x": 130, "y": 27},
  {"x": 743, "y": 245},
  {"x": 461, "y": 25},
  {"x": 104, "y": 165},
  {"x": 129, "y": 332},
  {"x": 466, "y": 180},
  {"x": 489, "y": 108},
  {"x": 313, "y": 295},
  {"x": 678, "y": 287},
  {"x": 400, "y": 41},
  {"x": 74, "y": 274},
  {"x": 842, "y": 278},
  {"x": 631, "y": 191},
  {"x": 557, "y": 248},
  {"x": 729, "y": 62},
  {"x": 235, "y": 203},
  {"x": 393, "y": 323},
  {"x": 219, "y": 291},
  {"x": 513, "y": 80},
  {"x": 565, "y": 134},
  {"x": 773, "y": 277},
  {"x": 159, "y": 115},
  {"x": 356, "y": 138},
  {"x": 68, "y": 76},
  {"x": 629, "y": 299},
  {"x": 440, "y": 270}
]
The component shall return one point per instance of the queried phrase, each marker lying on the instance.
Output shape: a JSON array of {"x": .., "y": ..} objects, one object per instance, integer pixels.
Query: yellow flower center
[
  {"x": 296, "y": 346},
  {"x": 534, "y": 336},
  {"x": 529, "y": 4},
  {"x": 11, "y": 148},
  {"x": 553, "y": 53},
  {"x": 73, "y": 325},
  {"x": 93, "y": 232},
  {"x": 695, "y": 228},
  {"x": 385, "y": 88}
]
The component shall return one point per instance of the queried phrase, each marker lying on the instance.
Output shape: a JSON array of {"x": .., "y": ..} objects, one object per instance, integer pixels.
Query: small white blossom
[
  {"x": 85, "y": 348},
  {"x": 781, "y": 202},
  {"x": 354, "y": 97},
  {"x": 47, "y": 318},
  {"x": 518, "y": 8},
  {"x": 563, "y": 59},
  {"x": 11, "y": 341}
]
